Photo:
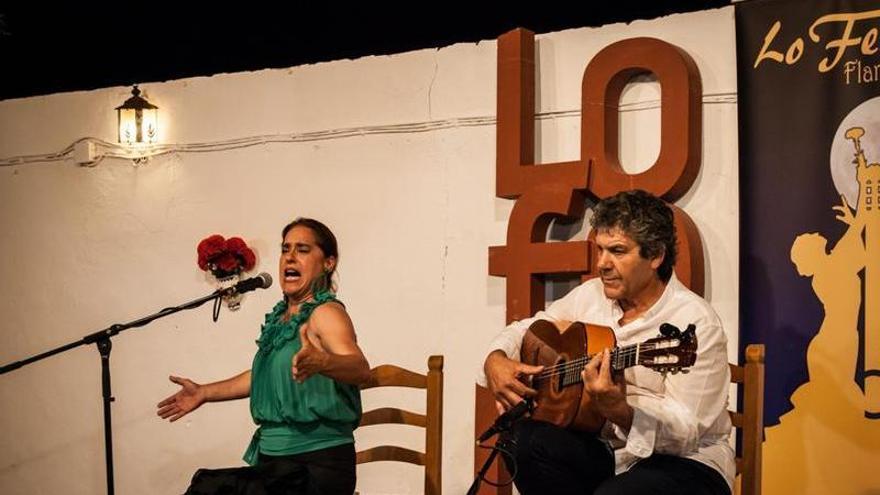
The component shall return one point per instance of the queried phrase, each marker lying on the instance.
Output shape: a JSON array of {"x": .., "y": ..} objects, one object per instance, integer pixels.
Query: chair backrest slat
[
  {"x": 392, "y": 415},
  {"x": 388, "y": 375},
  {"x": 391, "y": 453}
]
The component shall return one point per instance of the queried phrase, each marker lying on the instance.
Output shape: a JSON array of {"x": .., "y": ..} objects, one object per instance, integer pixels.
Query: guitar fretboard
[{"x": 621, "y": 358}]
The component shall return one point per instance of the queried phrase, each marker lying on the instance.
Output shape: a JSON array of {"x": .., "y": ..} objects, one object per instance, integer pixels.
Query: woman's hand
[
  {"x": 329, "y": 347},
  {"x": 309, "y": 360},
  {"x": 190, "y": 396}
]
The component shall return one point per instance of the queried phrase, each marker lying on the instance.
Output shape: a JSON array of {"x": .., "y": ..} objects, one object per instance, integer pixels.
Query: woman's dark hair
[
  {"x": 646, "y": 219},
  {"x": 325, "y": 240}
]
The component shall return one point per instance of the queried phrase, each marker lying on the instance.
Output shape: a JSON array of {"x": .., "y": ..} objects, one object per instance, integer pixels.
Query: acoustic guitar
[{"x": 564, "y": 353}]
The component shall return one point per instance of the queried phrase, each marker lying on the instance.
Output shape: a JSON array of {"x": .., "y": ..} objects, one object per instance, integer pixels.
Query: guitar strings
[
  {"x": 572, "y": 368},
  {"x": 618, "y": 354},
  {"x": 624, "y": 351}
]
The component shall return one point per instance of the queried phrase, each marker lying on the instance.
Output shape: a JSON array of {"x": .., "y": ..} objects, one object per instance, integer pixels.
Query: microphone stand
[
  {"x": 475, "y": 486},
  {"x": 502, "y": 424},
  {"x": 102, "y": 340}
]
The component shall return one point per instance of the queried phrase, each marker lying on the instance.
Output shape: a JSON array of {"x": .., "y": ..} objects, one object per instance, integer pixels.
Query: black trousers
[
  {"x": 549, "y": 459},
  {"x": 329, "y": 471}
]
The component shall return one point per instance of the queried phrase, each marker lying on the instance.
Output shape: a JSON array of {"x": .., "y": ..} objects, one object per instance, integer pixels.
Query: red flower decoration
[
  {"x": 209, "y": 249},
  {"x": 240, "y": 250},
  {"x": 227, "y": 262},
  {"x": 225, "y": 257}
]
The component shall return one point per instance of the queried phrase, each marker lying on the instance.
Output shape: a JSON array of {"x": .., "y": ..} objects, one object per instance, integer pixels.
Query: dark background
[{"x": 48, "y": 49}]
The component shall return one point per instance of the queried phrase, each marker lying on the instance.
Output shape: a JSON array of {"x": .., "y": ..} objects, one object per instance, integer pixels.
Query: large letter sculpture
[{"x": 544, "y": 192}]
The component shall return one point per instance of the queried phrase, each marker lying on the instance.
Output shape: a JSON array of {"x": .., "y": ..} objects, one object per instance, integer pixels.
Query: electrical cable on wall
[{"x": 105, "y": 149}]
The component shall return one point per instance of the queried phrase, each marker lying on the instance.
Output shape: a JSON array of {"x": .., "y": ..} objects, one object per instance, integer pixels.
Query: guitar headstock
[{"x": 672, "y": 352}]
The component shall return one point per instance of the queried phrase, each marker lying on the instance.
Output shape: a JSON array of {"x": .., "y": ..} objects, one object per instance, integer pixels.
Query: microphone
[
  {"x": 261, "y": 281},
  {"x": 506, "y": 420}
]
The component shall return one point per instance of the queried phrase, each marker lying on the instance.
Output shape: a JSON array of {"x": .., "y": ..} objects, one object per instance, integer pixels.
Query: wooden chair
[
  {"x": 749, "y": 421},
  {"x": 388, "y": 375}
]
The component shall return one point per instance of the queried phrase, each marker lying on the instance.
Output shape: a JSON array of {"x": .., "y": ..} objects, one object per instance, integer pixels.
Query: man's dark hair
[{"x": 646, "y": 219}]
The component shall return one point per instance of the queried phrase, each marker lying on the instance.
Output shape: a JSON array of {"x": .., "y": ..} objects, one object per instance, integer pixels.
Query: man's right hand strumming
[{"x": 504, "y": 377}]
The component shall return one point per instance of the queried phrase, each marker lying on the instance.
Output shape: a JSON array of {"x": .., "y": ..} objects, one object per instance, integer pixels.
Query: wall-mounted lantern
[{"x": 138, "y": 120}]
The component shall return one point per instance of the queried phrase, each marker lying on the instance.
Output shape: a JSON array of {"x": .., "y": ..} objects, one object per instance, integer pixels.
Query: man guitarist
[{"x": 663, "y": 434}]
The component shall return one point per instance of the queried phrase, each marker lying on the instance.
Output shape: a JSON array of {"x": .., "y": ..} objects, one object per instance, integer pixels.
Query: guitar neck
[{"x": 622, "y": 357}]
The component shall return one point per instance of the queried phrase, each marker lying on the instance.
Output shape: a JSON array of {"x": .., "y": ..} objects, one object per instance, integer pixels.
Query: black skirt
[{"x": 328, "y": 471}]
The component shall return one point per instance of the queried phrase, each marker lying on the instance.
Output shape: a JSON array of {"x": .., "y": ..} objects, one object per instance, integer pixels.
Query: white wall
[{"x": 414, "y": 212}]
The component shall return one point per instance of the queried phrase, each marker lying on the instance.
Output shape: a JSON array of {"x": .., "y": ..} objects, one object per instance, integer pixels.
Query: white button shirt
[{"x": 678, "y": 414}]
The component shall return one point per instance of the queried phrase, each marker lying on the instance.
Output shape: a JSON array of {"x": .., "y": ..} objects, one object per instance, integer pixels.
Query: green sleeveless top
[{"x": 293, "y": 417}]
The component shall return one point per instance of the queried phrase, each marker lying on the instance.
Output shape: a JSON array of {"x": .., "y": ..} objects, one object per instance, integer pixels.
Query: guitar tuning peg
[{"x": 669, "y": 330}]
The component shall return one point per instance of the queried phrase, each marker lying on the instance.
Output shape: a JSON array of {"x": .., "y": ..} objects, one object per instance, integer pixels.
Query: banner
[{"x": 809, "y": 123}]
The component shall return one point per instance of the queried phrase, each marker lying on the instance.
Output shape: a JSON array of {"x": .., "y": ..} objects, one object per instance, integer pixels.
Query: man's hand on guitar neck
[
  {"x": 607, "y": 392},
  {"x": 504, "y": 377}
]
